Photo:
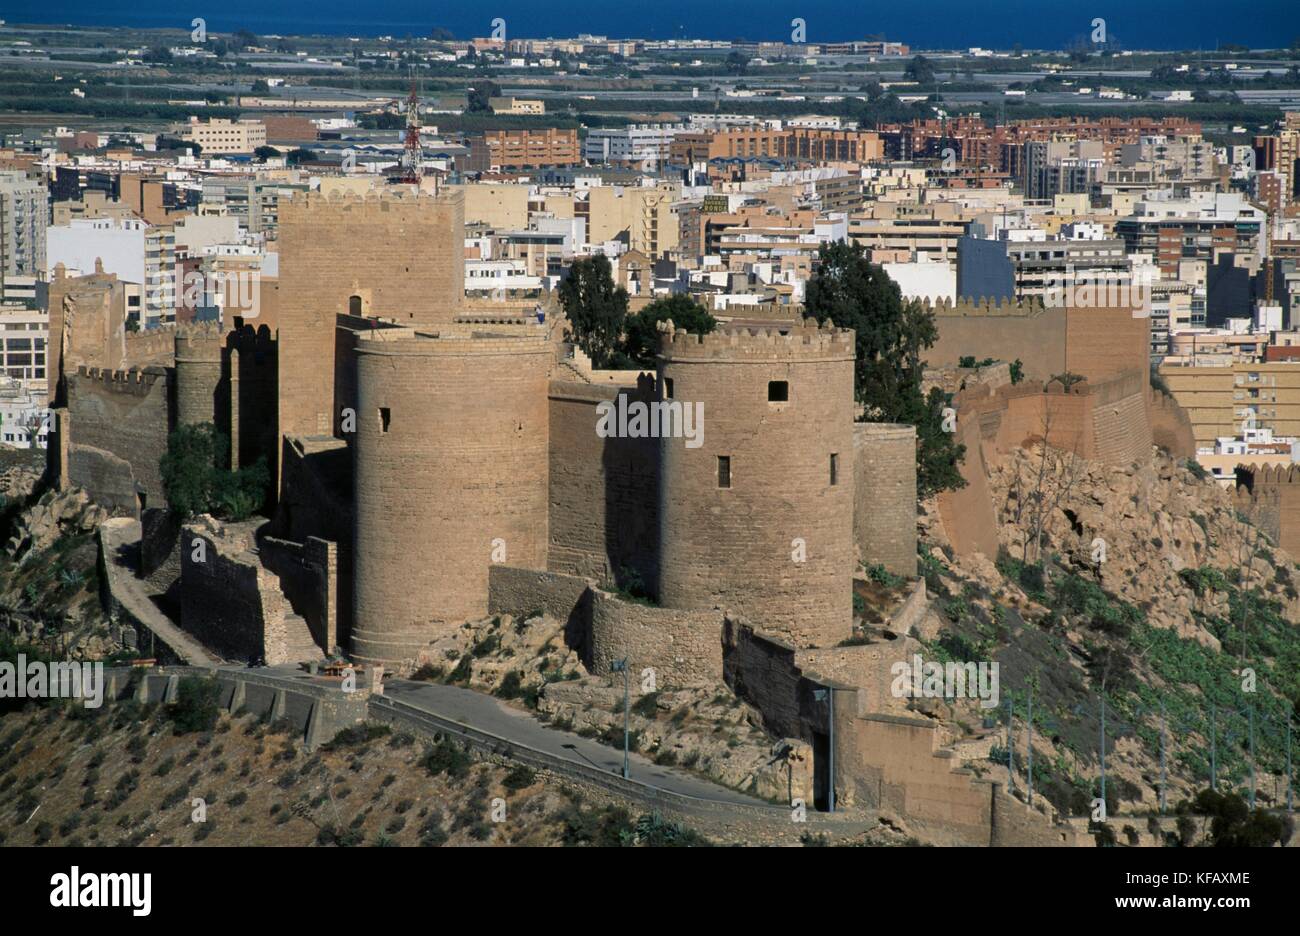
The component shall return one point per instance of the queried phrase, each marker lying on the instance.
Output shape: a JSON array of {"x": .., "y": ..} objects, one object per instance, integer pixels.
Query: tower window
[
  {"x": 668, "y": 388},
  {"x": 354, "y": 305},
  {"x": 385, "y": 417},
  {"x": 778, "y": 391},
  {"x": 724, "y": 471},
  {"x": 835, "y": 468}
]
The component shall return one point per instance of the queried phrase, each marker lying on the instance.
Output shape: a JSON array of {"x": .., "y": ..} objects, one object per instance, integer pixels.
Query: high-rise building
[{"x": 24, "y": 216}]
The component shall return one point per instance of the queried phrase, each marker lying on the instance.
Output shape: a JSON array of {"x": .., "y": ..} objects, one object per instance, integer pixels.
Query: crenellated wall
[
  {"x": 1270, "y": 496},
  {"x": 116, "y": 428}
]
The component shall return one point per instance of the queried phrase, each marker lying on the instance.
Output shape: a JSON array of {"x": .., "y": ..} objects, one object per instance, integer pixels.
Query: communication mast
[{"x": 412, "y": 152}]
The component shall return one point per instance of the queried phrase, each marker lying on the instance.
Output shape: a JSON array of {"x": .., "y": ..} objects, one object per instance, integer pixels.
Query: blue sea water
[{"x": 936, "y": 24}]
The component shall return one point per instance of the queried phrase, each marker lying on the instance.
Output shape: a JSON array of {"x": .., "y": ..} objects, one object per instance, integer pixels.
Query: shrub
[{"x": 195, "y": 708}]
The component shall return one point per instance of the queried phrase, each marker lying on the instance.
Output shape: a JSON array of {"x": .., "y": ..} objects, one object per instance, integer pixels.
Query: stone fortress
[{"x": 437, "y": 461}]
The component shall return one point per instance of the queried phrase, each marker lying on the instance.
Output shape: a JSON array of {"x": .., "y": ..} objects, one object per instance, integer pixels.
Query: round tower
[
  {"x": 198, "y": 373},
  {"x": 451, "y": 475},
  {"x": 756, "y": 514}
]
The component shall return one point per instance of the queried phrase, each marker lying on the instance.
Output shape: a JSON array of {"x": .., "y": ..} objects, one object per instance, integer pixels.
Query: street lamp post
[{"x": 620, "y": 666}]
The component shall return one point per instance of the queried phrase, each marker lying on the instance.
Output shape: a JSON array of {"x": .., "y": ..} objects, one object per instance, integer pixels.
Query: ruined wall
[
  {"x": 116, "y": 426},
  {"x": 604, "y": 521},
  {"x": 309, "y": 579},
  {"x": 734, "y": 547},
  {"x": 402, "y": 256},
  {"x": 684, "y": 648},
  {"x": 761, "y": 669},
  {"x": 229, "y": 601},
  {"x": 884, "y": 503},
  {"x": 451, "y": 466}
]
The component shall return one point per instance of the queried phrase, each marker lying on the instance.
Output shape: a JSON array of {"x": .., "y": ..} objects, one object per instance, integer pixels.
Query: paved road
[{"x": 490, "y": 715}]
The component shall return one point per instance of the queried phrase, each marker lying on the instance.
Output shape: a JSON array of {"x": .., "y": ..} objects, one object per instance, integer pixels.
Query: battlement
[
  {"x": 805, "y": 341},
  {"x": 1257, "y": 476},
  {"x": 451, "y": 340},
  {"x": 136, "y": 380},
  {"x": 375, "y": 202},
  {"x": 199, "y": 340},
  {"x": 1027, "y": 308}
]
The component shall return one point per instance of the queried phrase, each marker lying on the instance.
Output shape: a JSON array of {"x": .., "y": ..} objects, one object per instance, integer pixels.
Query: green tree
[
  {"x": 920, "y": 70},
  {"x": 196, "y": 480},
  {"x": 264, "y": 153},
  {"x": 480, "y": 97},
  {"x": 641, "y": 332},
  {"x": 300, "y": 155},
  {"x": 849, "y": 291},
  {"x": 595, "y": 307},
  {"x": 737, "y": 62}
]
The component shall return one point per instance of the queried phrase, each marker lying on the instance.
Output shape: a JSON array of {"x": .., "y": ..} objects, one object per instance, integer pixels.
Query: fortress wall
[
  {"x": 684, "y": 648},
  {"x": 1121, "y": 431},
  {"x": 967, "y": 513},
  {"x": 1030, "y": 333},
  {"x": 884, "y": 503},
  {"x": 1171, "y": 428},
  {"x": 117, "y": 428},
  {"x": 1107, "y": 342},
  {"x": 776, "y": 546},
  {"x": 892, "y": 764},
  {"x": 309, "y": 579},
  {"x": 518, "y": 592},
  {"x": 1270, "y": 496},
  {"x": 228, "y": 600},
  {"x": 451, "y": 468},
  {"x": 403, "y": 256},
  {"x": 252, "y": 368},
  {"x": 603, "y": 492}
]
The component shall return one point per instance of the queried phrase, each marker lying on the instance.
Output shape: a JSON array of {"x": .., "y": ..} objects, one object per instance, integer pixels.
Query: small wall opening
[
  {"x": 668, "y": 388},
  {"x": 385, "y": 418},
  {"x": 778, "y": 391},
  {"x": 354, "y": 305},
  {"x": 724, "y": 471},
  {"x": 835, "y": 468}
]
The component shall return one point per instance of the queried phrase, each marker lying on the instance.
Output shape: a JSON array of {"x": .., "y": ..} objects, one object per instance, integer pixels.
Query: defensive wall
[
  {"x": 235, "y": 604},
  {"x": 450, "y": 473},
  {"x": 757, "y": 519},
  {"x": 1270, "y": 496},
  {"x": 113, "y": 435},
  {"x": 884, "y": 497}
]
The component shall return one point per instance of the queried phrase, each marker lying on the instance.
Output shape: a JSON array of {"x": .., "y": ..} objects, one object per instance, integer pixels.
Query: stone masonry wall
[
  {"x": 684, "y": 648},
  {"x": 884, "y": 503},
  {"x": 229, "y": 601},
  {"x": 309, "y": 578},
  {"x": 603, "y": 491},
  {"x": 117, "y": 426}
]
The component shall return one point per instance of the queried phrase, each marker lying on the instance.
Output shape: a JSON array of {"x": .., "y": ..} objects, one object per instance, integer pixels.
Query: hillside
[{"x": 1184, "y": 623}]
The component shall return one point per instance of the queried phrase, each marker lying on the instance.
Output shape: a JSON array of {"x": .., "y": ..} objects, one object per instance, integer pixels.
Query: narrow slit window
[
  {"x": 385, "y": 418},
  {"x": 778, "y": 391},
  {"x": 668, "y": 388},
  {"x": 835, "y": 468},
  {"x": 724, "y": 471}
]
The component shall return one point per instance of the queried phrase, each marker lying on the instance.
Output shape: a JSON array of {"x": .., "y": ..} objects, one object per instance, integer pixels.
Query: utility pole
[
  {"x": 1250, "y": 711},
  {"x": 1162, "y": 756},
  {"x": 1214, "y": 725},
  {"x": 1103, "y": 751},
  {"x": 827, "y": 695},
  {"x": 1029, "y": 742}
]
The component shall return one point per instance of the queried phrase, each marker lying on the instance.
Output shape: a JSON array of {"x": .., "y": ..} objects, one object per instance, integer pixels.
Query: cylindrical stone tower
[
  {"x": 198, "y": 373},
  {"x": 758, "y": 519},
  {"x": 451, "y": 475}
]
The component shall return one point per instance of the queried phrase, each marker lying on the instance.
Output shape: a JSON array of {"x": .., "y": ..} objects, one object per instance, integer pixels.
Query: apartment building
[
  {"x": 508, "y": 150},
  {"x": 228, "y": 137},
  {"x": 24, "y": 218}
]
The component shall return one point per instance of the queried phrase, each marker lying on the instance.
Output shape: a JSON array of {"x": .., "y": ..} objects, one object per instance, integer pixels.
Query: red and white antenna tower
[{"x": 412, "y": 153}]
